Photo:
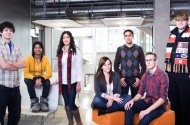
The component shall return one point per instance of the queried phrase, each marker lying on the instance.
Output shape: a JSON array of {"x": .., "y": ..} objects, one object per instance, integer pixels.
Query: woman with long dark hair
[
  {"x": 37, "y": 73},
  {"x": 107, "y": 89},
  {"x": 69, "y": 75}
]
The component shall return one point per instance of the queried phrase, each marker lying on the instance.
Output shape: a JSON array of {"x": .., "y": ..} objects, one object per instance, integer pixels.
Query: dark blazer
[{"x": 100, "y": 88}]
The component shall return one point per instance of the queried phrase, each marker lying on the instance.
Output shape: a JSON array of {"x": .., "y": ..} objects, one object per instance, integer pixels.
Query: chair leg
[
  {"x": 53, "y": 115},
  {"x": 43, "y": 121},
  {"x": 25, "y": 119},
  {"x": 36, "y": 118}
]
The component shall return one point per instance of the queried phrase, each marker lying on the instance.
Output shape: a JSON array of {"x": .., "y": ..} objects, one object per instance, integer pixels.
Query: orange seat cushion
[
  {"x": 168, "y": 118},
  {"x": 118, "y": 118},
  {"x": 114, "y": 118}
]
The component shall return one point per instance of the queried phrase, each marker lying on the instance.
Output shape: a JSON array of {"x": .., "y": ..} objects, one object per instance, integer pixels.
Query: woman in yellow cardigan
[{"x": 37, "y": 73}]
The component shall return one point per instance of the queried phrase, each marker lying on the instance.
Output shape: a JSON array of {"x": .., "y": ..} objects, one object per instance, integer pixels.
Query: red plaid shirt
[{"x": 155, "y": 86}]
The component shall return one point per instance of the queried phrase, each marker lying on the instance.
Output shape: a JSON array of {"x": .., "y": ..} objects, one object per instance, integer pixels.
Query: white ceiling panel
[
  {"x": 63, "y": 23},
  {"x": 129, "y": 21}
]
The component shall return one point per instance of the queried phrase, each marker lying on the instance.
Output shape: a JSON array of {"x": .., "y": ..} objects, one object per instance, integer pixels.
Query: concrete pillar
[
  {"x": 161, "y": 29},
  {"x": 48, "y": 43}
]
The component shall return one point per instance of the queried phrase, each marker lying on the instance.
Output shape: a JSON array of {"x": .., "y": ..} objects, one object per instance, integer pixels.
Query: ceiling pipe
[
  {"x": 86, "y": 10},
  {"x": 146, "y": 9},
  {"x": 40, "y": 2}
]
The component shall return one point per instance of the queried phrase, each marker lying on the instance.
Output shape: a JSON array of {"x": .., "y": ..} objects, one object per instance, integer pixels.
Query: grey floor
[{"x": 84, "y": 101}]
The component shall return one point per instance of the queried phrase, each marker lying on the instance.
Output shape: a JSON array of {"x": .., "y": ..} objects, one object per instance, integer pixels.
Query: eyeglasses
[
  {"x": 150, "y": 60},
  {"x": 182, "y": 20}
]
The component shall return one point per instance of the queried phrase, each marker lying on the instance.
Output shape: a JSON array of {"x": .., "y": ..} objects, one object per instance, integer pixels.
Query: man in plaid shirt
[
  {"x": 10, "y": 62},
  {"x": 155, "y": 83}
]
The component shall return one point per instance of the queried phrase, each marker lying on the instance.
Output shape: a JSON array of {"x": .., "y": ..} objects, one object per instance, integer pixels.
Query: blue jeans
[
  {"x": 100, "y": 103},
  {"x": 10, "y": 97},
  {"x": 139, "y": 106},
  {"x": 69, "y": 96},
  {"x": 31, "y": 88},
  {"x": 130, "y": 82}
]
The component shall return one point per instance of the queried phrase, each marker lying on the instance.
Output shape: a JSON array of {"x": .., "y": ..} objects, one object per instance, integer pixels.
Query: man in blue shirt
[{"x": 10, "y": 62}]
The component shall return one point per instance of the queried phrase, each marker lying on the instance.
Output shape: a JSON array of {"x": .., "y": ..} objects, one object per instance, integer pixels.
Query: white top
[
  {"x": 110, "y": 89},
  {"x": 76, "y": 68}
]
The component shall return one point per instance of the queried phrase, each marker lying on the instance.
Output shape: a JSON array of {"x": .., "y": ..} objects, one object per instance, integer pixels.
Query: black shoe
[{"x": 102, "y": 112}]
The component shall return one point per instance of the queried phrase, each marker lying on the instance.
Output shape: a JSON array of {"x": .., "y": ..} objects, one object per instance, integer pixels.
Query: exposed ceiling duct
[
  {"x": 48, "y": 9},
  {"x": 95, "y": 10},
  {"x": 74, "y": 9}
]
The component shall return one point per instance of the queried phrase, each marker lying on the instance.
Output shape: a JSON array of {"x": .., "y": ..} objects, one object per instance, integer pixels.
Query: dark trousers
[
  {"x": 10, "y": 97},
  {"x": 69, "y": 96},
  {"x": 31, "y": 88},
  {"x": 179, "y": 97},
  {"x": 139, "y": 106},
  {"x": 100, "y": 103},
  {"x": 130, "y": 82}
]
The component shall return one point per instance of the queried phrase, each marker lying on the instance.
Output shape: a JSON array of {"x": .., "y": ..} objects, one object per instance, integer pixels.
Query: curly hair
[
  {"x": 8, "y": 25},
  {"x": 61, "y": 44}
]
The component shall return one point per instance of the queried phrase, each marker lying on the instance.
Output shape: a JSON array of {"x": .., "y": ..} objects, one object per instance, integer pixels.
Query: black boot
[
  {"x": 44, "y": 107},
  {"x": 35, "y": 106}
]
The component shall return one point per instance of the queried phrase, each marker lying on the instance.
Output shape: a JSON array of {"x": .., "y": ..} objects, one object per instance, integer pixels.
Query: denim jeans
[
  {"x": 69, "y": 96},
  {"x": 130, "y": 82},
  {"x": 31, "y": 88},
  {"x": 139, "y": 106},
  {"x": 100, "y": 103},
  {"x": 10, "y": 97}
]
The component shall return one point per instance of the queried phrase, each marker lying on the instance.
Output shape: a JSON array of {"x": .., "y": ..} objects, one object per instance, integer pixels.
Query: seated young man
[
  {"x": 37, "y": 73},
  {"x": 155, "y": 83}
]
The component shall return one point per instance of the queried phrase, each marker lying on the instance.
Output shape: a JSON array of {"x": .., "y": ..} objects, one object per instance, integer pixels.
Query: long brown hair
[
  {"x": 61, "y": 44},
  {"x": 99, "y": 74}
]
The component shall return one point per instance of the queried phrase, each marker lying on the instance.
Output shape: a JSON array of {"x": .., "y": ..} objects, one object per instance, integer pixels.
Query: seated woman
[
  {"x": 37, "y": 73},
  {"x": 107, "y": 89}
]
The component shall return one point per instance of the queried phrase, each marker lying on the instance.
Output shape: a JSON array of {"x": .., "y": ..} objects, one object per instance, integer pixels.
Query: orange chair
[
  {"x": 114, "y": 118},
  {"x": 118, "y": 118},
  {"x": 168, "y": 118}
]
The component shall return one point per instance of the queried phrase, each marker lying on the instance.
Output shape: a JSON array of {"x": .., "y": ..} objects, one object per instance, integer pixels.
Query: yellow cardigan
[{"x": 33, "y": 68}]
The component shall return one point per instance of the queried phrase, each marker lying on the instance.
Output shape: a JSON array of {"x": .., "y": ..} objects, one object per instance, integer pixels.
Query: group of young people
[
  {"x": 111, "y": 88},
  {"x": 37, "y": 72}
]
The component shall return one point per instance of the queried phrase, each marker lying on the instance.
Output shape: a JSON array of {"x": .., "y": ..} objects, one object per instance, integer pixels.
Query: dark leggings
[{"x": 69, "y": 96}]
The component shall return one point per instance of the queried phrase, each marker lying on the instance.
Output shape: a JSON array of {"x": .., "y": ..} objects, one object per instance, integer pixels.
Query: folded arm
[
  {"x": 20, "y": 63},
  {"x": 6, "y": 65}
]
